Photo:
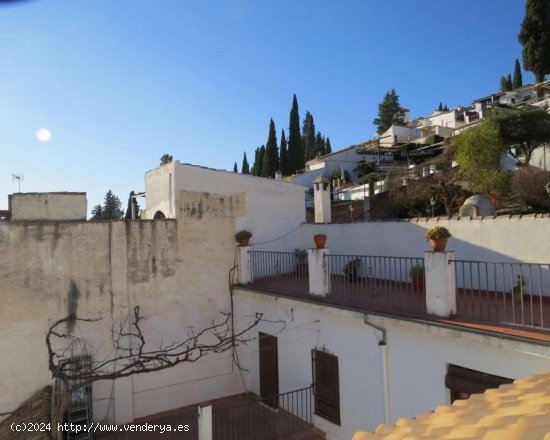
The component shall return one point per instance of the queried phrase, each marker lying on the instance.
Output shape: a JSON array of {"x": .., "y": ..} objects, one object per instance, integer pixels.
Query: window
[
  {"x": 326, "y": 385},
  {"x": 462, "y": 382}
]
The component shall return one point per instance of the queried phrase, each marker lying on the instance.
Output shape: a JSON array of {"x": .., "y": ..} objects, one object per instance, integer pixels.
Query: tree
[
  {"x": 320, "y": 143},
  {"x": 535, "y": 38},
  {"x": 308, "y": 137},
  {"x": 235, "y": 169},
  {"x": 112, "y": 207},
  {"x": 528, "y": 185},
  {"x": 328, "y": 147},
  {"x": 506, "y": 83},
  {"x": 284, "y": 165},
  {"x": 271, "y": 158},
  {"x": 363, "y": 168},
  {"x": 479, "y": 154},
  {"x": 254, "y": 169},
  {"x": 166, "y": 158},
  {"x": 132, "y": 211},
  {"x": 389, "y": 112},
  {"x": 245, "y": 168},
  {"x": 520, "y": 132},
  {"x": 440, "y": 108},
  {"x": 295, "y": 152},
  {"x": 97, "y": 213},
  {"x": 77, "y": 364},
  {"x": 517, "y": 81},
  {"x": 260, "y": 169}
]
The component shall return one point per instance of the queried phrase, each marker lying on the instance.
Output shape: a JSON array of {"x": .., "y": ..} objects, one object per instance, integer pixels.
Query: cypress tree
[
  {"x": 235, "y": 169},
  {"x": 283, "y": 161},
  {"x": 133, "y": 207},
  {"x": 445, "y": 108},
  {"x": 319, "y": 144},
  {"x": 308, "y": 137},
  {"x": 295, "y": 153},
  {"x": 271, "y": 159},
  {"x": 506, "y": 83},
  {"x": 328, "y": 147},
  {"x": 535, "y": 38},
  {"x": 245, "y": 168},
  {"x": 261, "y": 162},
  {"x": 440, "y": 108},
  {"x": 255, "y": 167},
  {"x": 517, "y": 81}
]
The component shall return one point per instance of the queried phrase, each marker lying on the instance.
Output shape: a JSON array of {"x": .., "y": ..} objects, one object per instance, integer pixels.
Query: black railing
[
  {"x": 512, "y": 293},
  {"x": 271, "y": 418},
  {"x": 384, "y": 282},
  {"x": 280, "y": 271}
]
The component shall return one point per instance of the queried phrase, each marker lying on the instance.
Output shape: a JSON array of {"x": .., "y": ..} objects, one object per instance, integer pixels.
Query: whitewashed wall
[
  {"x": 505, "y": 239},
  {"x": 273, "y": 208},
  {"x": 48, "y": 206},
  {"x": 418, "y": 356}
]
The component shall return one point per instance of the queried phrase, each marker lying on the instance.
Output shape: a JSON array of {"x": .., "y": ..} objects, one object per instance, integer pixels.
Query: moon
[{"x": 43, "y": 134}]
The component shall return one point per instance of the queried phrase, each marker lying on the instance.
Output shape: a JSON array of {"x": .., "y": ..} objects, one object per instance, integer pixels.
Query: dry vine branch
[{"x": 131, "y": 354}]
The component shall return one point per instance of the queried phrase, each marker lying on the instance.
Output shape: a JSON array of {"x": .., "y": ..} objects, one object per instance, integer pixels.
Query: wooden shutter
[{"x": 326, "y": 386}]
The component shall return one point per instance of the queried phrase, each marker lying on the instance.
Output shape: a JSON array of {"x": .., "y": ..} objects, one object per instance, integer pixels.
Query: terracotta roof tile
[{"x": 520, "y": 410}]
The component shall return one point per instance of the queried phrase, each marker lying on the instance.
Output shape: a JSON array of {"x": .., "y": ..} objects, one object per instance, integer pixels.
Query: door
[{"x": 269, "y": 369}]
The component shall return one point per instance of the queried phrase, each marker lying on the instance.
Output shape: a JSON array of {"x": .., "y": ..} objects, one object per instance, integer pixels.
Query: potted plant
[
  {"x": 320, "y": 240},
  {"x": 243, "y": 237},
  {"x": 438, "y": 236},
  {"x": 519, "y": 289},
  {"x": 417, "y": 274},
  {"x": 301, "y": 261},
  {"x": 351, "y": 269}
]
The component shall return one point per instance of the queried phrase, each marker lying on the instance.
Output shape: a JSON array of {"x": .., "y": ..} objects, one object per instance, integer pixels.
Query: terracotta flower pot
[
  {"x": 244, "y": 241},
  {"x": 439, "y": 244},
  {"x": 320, "y": 240}
]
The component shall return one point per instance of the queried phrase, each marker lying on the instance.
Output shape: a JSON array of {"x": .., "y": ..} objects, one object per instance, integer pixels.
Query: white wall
[
  {"x": 402, "y": 134},
  {"x": 418, "y": 355},
  {"x": 491, "y": 239},
  {"x": 159, "y": 191},
  {"x": 541, "y": 158},
  {"x": 48, "y": 206},
  {"x": 273, "y": 208}
]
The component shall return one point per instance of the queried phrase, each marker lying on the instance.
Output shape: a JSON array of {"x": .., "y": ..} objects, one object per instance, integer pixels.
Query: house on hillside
[{"x": 344, "y": 161}]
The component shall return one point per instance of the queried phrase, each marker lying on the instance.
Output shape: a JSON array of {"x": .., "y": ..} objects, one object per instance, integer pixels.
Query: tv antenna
[{"x": 19, "y": 178}]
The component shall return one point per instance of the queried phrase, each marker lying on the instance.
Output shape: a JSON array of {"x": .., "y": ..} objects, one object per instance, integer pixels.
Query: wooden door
[{"x": 269, "y": 369}]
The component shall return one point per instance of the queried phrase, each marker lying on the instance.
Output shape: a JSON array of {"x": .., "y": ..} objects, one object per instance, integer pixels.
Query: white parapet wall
[{"x": 48, "y": 206}]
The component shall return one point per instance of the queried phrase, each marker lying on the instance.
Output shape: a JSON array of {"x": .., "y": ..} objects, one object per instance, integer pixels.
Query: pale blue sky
[{"x": 121, "y": 82}]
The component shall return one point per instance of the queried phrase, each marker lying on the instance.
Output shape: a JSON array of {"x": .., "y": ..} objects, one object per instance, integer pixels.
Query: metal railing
[
  {"x": 280, "y": 271},
  {"x": 265, "y": 418},
  {"x": 512, "y": 293},
  {"x": 396, "y": 283}
]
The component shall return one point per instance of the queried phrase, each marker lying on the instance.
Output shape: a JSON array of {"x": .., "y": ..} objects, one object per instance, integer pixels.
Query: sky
[{"x": 94, "y": 92}]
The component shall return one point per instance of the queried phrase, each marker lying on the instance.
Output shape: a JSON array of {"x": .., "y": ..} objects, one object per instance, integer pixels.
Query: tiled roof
[
  {"x": 520, "y": 410},
  {"x": 37, "y": 409}
]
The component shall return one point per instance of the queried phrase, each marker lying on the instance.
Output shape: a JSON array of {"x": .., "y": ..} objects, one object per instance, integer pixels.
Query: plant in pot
[
  {"x": 301, "y": 261},
  {"x": 243, "y": 237},
  {"x": 438, "y": 236},
  {"x": 417, "y": 274},
  {"x": 519, "y": 289},
  {"x": 351, "y": 269},
  {"x": 320, "y": 240}
]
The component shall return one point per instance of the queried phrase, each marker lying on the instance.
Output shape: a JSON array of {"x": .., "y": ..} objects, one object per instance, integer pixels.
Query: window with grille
[{"x": 326, "y": 385}]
